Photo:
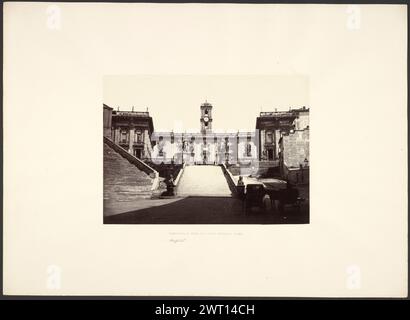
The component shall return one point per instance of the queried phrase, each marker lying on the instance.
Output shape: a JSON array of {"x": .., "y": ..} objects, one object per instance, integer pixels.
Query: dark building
[
  {"x": 107, "y": 119},
  {"x": 284, "y": 137}
]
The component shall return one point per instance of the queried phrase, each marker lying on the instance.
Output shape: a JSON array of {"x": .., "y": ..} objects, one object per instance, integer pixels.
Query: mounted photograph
[
  {"x": 175, "y": 140},
  {"x": 172, "y": 153}
]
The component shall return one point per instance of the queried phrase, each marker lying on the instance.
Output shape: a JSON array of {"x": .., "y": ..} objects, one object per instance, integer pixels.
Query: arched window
[
  {"x": 138, "y": 136},
  {"x": 248, "y": 150},
  {"x": 124, "y": 135}
]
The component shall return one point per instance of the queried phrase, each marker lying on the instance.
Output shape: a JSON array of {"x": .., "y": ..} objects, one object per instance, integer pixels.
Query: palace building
[
  {"x": 132, "y": 130},
  {"x": 205, "y": 146}
]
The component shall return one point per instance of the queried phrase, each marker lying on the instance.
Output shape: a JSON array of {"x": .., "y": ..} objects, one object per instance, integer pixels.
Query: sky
[{"x": 174, "y": 101}]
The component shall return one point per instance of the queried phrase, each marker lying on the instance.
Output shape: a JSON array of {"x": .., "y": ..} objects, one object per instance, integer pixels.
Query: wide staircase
[
  {"x": 203, "y": 180},
  {"x": 123, "y": 181}
]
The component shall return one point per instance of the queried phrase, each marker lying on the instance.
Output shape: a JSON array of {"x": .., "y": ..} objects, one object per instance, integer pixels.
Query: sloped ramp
[{"x": 203, "y": 181}]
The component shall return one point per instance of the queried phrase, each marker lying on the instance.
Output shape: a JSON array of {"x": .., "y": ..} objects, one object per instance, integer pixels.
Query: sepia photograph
[
  {"x": 172, "y": 153},
  {"x": 205, "y": 150}
]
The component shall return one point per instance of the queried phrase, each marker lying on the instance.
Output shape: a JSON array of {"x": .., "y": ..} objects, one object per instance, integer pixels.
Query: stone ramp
[
  {"x": 123, "y": 181},
  {"x": 203, "y": 180}
]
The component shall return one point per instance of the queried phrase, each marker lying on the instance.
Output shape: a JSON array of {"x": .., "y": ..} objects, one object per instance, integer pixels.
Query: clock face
[{"x": 206, "y": 119}]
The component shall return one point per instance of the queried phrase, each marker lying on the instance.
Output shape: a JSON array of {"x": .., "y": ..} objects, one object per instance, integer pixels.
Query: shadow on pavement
[{"x": 209, "y": 210}]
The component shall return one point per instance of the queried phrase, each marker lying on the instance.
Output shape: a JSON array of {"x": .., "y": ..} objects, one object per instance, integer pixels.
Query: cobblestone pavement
[{"x": 208, "y": 210}]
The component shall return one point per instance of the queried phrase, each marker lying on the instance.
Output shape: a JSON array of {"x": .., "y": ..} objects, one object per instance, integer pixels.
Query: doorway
[
  {"x": 270, "y": 154},
  {"x": 137, "y": 153}
]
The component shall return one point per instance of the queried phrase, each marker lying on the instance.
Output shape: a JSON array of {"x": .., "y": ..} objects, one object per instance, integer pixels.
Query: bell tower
[{"x": 206, "y": 117}]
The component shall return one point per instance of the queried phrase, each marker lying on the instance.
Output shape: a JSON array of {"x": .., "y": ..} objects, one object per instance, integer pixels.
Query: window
[
  {"x": 123, "y": 136},
  {"x": 269, "y": 137},
  {"x": 160, "y": 146},
  {"x": 138, "y": 136},
  {"x": 248, "y": 150},
  {"x": 138, "y": 153}
]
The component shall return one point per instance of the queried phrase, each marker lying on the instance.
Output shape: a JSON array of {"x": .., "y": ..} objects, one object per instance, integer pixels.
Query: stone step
[{"x": 123, "y": 181}]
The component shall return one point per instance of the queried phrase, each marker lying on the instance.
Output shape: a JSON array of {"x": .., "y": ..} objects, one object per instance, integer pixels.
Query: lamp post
[{"x": 237, "y": 147}]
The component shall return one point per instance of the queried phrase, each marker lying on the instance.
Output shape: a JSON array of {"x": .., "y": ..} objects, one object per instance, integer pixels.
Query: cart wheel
[{"x": 275, "y": 205}]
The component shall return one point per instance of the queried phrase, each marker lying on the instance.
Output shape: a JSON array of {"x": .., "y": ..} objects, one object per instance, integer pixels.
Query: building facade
[
  {"x": 201, "y": 148},
  {"x": 281, "y": 139},
  {"x": 132, "y": 130},
  {"x": 204, "y": 147},
  {"x": 273, "y": 126}
]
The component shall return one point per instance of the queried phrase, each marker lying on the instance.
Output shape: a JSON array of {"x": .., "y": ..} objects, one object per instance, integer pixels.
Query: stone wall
[
  {"x": 296, "y": 148},
  {"x": 133, "y": 160},
  {"x": 107, "y": 119},
  {"x": 302, "y": 121}
]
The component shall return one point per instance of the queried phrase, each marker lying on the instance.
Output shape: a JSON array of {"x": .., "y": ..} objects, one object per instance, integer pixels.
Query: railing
[
  {"x": 297, "y": 175},
  {"x": 276, "y": 114},
  {"x": 178, "y": 178},
  {"x": 132, "y": 113},
  {"x": 135, "y": 161},
  {"x": 229, "y": 178}
]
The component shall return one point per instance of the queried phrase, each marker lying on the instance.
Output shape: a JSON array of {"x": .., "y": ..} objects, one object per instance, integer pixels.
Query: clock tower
[{"x": 206, "y": 117}]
